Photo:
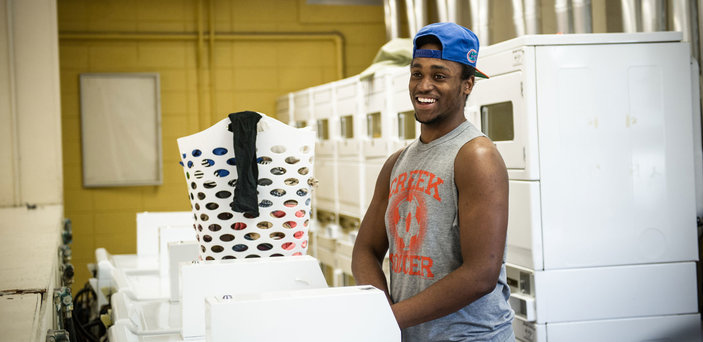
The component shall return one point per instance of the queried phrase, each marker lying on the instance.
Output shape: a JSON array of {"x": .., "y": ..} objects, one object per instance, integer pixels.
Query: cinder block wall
[{"x": 262, "y": 49}]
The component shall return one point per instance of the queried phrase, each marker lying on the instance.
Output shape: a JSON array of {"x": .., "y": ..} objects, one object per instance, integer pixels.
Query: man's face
[{"x": 436, "y": 88}]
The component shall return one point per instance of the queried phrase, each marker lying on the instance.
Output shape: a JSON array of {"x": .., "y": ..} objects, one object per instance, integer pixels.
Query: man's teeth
[{"x": 426, "y": 100}]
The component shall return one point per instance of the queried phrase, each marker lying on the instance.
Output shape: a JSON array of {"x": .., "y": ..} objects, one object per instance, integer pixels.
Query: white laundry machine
[
  {"x": 381, "y": 138},
  {"x": 326, "y": 118},
  {"x": 350, "y": 187},
  {"x": 302, "y": 108},
  {"x": 241, "y": 300},
  {"x": 284, "y": 108},
  {"x": 596, "y": 133},
  {"x": 407, "y": 129},
  {"x": 154, "y": 231}
]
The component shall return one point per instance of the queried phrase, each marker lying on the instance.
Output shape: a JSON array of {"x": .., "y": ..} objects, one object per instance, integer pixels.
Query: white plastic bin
[{"x": 285, "y": 165}]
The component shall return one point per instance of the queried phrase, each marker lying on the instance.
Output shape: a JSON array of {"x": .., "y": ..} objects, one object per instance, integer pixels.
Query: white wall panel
[
  {"x": 7, "y": 142},
  {"x": 31, "y": 95}
]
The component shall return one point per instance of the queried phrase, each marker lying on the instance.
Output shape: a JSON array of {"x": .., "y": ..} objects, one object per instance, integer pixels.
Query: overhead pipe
[
  {"x": 336, "y": 38},
  {"x": 518, "y": 18},
  {"x": 653, "y": 15},
  {"x": 565, "y": 21},
  {"x": 532, "y": 17},
  {"x": 390, "y": 11},
  {"x": 582, "y": 16},
  {"x": 631, "y": 19}
]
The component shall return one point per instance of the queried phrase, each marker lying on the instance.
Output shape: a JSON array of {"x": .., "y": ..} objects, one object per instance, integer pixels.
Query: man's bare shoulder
[
  {"x": 478, "y": 149},
  {"x": 479, "y": 163}
]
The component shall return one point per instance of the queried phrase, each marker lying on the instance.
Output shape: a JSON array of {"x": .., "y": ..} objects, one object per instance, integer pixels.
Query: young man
[{"x": 441, "y": 207}]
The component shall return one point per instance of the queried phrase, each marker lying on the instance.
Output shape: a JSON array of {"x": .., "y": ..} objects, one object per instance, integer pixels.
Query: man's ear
[{"x": 468, "y": 85}]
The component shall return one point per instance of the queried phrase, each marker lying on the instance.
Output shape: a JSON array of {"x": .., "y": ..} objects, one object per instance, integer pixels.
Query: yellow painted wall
[{"x": 200, "y": 83}]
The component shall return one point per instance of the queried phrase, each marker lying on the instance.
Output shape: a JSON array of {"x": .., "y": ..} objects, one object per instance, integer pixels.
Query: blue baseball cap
[{"x": 459, "y": 44}]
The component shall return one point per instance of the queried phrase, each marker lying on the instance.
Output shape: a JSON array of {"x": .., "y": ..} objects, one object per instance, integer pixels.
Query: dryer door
[{"x": 497, "y": 106}]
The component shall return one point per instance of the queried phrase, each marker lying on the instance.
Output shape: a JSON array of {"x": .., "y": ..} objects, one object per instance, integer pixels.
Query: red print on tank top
[
  {"x": 409, "y": 230},
  {"x": 409, "y": 191}
]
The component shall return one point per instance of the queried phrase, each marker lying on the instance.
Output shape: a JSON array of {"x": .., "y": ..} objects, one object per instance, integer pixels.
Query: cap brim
[{"x": 479, "y": 73}]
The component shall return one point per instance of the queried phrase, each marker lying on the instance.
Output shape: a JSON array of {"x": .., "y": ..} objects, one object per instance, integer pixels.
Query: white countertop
[{"x": 29, "y": 241}]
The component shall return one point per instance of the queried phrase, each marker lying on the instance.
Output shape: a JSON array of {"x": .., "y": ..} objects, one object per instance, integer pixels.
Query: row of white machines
[
  {"x": 165, "y": 294},
  {"x": 601, "y": 137},
  {"x": 359, "y": 123}
]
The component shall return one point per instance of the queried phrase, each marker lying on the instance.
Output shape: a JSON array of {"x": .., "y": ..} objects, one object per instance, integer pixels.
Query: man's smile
[{"x": 425, "y": 99}]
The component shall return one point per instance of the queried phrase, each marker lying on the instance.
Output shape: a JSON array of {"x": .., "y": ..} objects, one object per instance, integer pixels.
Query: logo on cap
[{"x": 471, "y": 56}]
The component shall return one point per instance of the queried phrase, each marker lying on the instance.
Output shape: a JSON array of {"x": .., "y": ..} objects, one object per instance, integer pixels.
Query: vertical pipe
[
  {"x": 202, "y": 120},
  {"x": 461, "y": 8},
  {"x": 390, "y": 10},
  {"x": 699, "y": 11},
  {"x": 631, "y": 20},
  {"x": 480, "y": 11},
  {"x": 564, "y": 16},
  {"x": 695, "y": 38},
  {"x": 211, "y": 61},
  {"x": 420, "y": 14},
  {"x": 662, "y": 15},
  {"x": 484, "y": 14},
  {"x": 410, "y": 13},
  {"x": 453, "y": 11},
  {"x": 442, "y": 10},
  {"x": 518, "y": 18},
  {"x": 532, "y": 17},
  {"x": 15, "y": 198},
  {"x": 582, "y": 18},
  {"x": 475, "y": 18},
  {"x": 653, "y": 15},
  {"x": 682, "y": 20}
]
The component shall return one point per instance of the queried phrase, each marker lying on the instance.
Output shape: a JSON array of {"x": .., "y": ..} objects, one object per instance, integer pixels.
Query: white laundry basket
[{"x": 284, "y": 155}]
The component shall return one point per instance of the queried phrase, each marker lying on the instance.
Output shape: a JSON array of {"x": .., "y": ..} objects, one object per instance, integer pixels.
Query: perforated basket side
[{"x": 285, "y": 159}]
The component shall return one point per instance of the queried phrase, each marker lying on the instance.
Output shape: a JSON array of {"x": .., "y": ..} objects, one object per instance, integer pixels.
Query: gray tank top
[{"x": 422, "y": 225}]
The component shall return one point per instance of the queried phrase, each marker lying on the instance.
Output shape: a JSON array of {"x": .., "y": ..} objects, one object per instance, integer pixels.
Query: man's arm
[
  {"x": 371, "y": 243},
  {"x": 482, "y": 182}
]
